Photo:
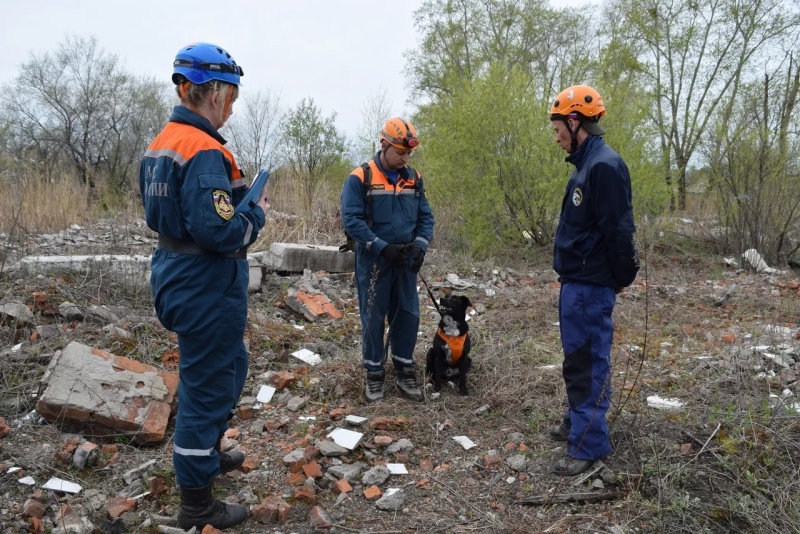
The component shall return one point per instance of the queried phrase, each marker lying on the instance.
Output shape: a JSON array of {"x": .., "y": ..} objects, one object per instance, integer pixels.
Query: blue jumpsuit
[
  {"x": 594, "y": 255},
  {"x": 189, "y": 184},
  {"x": 400, "y": 214}
]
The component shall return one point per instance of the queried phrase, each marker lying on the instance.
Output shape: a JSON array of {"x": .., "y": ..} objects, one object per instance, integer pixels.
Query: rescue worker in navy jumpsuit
[
  {"x": 595, "y": 258},
  {"x": 190, "y": 185},
  {"x": 392, "y": 226}
]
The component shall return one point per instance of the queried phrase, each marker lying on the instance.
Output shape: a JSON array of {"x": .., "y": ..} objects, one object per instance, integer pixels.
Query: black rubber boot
[
  {"x": 228, "y": 461},
  {"x": 198, "y": 509}
]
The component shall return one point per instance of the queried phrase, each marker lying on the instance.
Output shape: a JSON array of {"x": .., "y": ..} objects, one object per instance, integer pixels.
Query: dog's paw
[{"x": 435, "y": 395}]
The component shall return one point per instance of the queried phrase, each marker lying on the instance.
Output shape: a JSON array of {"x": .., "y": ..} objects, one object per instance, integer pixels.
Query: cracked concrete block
[{"x": 99, "y": 390}]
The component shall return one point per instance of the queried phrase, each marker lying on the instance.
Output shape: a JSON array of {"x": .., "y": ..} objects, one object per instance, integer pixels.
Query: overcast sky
[{"x": 337, "y": 52}]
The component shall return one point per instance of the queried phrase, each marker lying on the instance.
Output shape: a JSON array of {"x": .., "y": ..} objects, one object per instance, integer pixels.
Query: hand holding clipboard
[{"x": 255, "y": 193}]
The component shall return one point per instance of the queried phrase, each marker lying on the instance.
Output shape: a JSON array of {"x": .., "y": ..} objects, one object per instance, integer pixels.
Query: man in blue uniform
[
  {"x": 595, "y": 258},
  {"x": 190, "y": 185},
  {"x": 391, "y": 223}
]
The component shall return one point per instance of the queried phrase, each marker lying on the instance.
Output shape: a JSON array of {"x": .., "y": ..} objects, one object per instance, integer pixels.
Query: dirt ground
[{"x": 690, "y": 329}]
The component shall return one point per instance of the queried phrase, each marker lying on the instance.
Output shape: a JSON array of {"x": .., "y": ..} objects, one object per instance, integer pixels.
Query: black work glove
[
  {"x": 395, "y": 255},
  {"x": 417, "y": 257}
]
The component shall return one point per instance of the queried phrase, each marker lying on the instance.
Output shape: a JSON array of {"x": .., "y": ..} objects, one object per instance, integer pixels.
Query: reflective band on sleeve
[
  {"x": 191, "y": 452},
  {"x": 166, "y": 152}
]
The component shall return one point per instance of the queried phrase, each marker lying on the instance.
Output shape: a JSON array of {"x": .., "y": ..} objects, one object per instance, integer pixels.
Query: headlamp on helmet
[{"x": 400, "y": 134}]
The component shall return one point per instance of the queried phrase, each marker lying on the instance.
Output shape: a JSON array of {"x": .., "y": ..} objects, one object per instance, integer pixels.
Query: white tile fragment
[
  {"x": 265, "y": 394},
  {"x": 465, "y": 442},
  {"x": 355, "y": 420},
  {"x": 57, "y": 484},
  {"x": 307, "y": 356},
  {"x": 397, "y": 469},
  {"x": 346, "y": 438}
]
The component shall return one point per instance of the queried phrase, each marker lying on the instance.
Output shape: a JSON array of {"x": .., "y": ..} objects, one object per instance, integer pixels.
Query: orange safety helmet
[
  {"x": 400, "y": 134},
  {"x": 580, "y": 100}
]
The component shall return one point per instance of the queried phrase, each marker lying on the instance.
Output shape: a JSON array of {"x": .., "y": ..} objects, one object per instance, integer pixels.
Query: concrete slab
[
  {"x": 293, "y": 257},
  {"x": 105, "y": 393}
]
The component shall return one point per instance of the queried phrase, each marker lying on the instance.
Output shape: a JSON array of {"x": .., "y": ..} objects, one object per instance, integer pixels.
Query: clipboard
[{"x": 256, "y": 188}]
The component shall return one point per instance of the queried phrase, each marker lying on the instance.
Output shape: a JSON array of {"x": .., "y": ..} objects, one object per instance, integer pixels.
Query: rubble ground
[{"x": 704, "y": 417}]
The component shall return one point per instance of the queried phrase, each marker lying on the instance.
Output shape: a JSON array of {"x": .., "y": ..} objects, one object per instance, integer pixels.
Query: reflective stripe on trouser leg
[
  {"x": 586, "y": 336},
  {"x": 386, "y": 293},
  {"x": 213, "y": 364},
  {"x": 373, "y": 302},
  {"x": 404, "y": 319},
  {"x": 205, "y": 395}
]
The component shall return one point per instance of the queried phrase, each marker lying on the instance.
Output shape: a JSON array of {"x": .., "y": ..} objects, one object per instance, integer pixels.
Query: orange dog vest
[{"x": 456, "y": 344}]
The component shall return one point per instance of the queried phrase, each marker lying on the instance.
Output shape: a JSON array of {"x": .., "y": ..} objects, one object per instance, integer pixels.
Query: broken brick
[{"x": 372, "y": 493}]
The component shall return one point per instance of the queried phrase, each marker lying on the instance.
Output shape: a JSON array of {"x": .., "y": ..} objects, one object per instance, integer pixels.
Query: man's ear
[{"x": 215, "y": 99}]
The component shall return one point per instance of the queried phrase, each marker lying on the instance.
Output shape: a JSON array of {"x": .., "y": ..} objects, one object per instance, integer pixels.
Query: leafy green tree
[
  {"x": 629, "y": 128},
  {"x": 492, "y": 159},
  {"x": 694, "y": 56},
  {"x": 311, "y": 145},
  {"x": 461, "y": 39}
]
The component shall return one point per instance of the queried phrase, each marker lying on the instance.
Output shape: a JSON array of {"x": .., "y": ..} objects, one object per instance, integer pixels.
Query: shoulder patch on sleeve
[{"x": 222, "y": 203}]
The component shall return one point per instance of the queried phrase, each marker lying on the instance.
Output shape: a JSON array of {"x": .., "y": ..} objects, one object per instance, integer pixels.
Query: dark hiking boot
[
  {"x": 406, "y": 382},
  {"x": 228, "y": 460},
  {"x": 198, "y": 509},
  {"x": 569, "y": 466},
  {"x": 559, "y": 432},
  {"x": 374, "y": 388}
]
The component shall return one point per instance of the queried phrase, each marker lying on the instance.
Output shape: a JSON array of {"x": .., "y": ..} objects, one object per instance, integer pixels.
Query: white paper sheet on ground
[
  {"x": 355, "y": 419},
  {"x": 308, "y": 417},
  {"x": 13, "y": 469},
  {"x": 57, "y": 484},
  {"x": 346, "y": 438},
  {"x": 299, "y": 326},
  {"x": 397, "y": 469},
  {"x": 307, "y": 356},
  {"x": 28, "y": 481},
  {"x": 465, "y": 442},
  {"x": 654, "y": 401},
  {"x": 391, "y": 491},
  {"x": 265, "y": 394}
]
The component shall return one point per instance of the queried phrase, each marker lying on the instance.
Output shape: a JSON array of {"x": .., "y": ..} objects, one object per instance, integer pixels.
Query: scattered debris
[
  {"x": 465, "y": 442},
  {"x": 654, "y": 401}
]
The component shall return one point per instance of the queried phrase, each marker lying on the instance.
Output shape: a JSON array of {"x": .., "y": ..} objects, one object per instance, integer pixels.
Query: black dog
[{"x": 449, "y": 356}]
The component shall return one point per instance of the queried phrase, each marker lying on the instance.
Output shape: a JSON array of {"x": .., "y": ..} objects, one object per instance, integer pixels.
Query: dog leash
[{"x": 430, "y": 294}]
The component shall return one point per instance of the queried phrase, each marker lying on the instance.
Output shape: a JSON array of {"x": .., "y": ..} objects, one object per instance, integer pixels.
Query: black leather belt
[{"x": 190, "y": 247}]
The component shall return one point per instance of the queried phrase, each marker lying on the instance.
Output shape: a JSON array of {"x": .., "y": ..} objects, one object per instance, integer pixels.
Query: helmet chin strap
[{"x": 573, "y": 133}]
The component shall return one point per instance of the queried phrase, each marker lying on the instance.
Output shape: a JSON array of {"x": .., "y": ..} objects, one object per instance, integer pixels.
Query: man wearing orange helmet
[
  {"x": 595, "y": 258},
  {"x": 391, "y": 223}
]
